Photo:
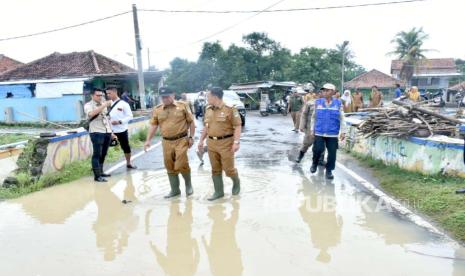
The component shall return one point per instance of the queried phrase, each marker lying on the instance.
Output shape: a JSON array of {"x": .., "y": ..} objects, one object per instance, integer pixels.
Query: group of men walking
[
  {"x": 323, "y": 123},
  {"x": 222, "y": 130},
  {"x": 321, "y": 119}
]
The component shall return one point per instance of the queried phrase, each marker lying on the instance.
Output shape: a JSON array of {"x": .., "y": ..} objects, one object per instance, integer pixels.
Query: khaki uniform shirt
[
  {"x": 376, "y": 98},
  {"x": 173, "y": 119},
  {"x": 358, "y": 99},
  {"x": 306, "y": 116},
  {"x": 101, "y": 124},
  {"x": 221, "y": 121}
]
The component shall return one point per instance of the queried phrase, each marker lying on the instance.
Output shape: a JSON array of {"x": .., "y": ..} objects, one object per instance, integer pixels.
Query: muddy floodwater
[{"x": 285, "y": 222}]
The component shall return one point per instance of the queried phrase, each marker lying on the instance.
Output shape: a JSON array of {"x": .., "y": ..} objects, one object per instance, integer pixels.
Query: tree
[{"x": 409, "y": 49}]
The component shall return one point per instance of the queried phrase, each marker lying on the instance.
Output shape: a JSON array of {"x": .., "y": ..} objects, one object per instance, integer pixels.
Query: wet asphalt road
[{"x": 285, "y": 222}]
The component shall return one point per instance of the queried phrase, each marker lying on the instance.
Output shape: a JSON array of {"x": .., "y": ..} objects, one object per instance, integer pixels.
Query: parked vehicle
[
  {"x": 278, "y": 107},
  {"x": 435, "y": 99},
  {"x": 232, "y": 99}
]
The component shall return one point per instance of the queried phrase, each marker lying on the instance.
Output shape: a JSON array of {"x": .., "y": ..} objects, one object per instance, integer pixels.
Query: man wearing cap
[
  {"x": 120, "y": 114},
  {"x": 328, "y": 123},
  {"x": 177, "y": 129},
  {"x": 305, "y": 127},
  {"x": 295, "y": 106},
  {"x": 223, "y": 129},
  {"x": 99, "y": 131}
]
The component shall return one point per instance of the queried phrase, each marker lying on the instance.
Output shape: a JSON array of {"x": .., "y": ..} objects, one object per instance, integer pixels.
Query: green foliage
[
  {"x": 408, "y": 47},
  {"x": 68, "y": 173},
  {"x": 13, "y": 138},
  {"x": 260, "y": 59},
  {"x": 431, "y": 195}
]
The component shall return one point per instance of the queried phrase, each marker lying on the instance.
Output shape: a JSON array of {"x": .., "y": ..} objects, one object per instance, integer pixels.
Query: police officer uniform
[
  {"x": 220, "y": 123},
  {"x": 174, "y": 121}
]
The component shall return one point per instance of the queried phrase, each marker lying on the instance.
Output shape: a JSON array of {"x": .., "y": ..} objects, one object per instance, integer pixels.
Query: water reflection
[
  {"x": 115, "y": 221},
  {"x": 224, "y": 255},
  {"x": 182, "y": 251},
  {"x": 319, "y": 213}
]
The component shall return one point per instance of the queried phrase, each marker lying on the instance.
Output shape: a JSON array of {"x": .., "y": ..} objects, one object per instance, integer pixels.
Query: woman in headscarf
[
  {"x": 347, "y": 101},
  {"x": 413, "y": 94}
]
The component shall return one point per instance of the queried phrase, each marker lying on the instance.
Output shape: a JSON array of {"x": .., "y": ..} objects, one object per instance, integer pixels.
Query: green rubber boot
[
  {"x": 188, "y": 182},
  {"x": 218, "y": 184},
  {"x": 236, "y": 189},
  {"x": 174, "y": 183}
]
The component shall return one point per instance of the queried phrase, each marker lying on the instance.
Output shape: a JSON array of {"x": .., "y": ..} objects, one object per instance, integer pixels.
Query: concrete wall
[
  {"x": 427, "y": 155},
  {"x": 72, "y": 147},
  {"x": 62, "y": 109}
]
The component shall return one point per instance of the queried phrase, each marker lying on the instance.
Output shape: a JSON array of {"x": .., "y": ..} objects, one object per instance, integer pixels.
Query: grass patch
[
  {"x": 431, "y": 195},
  {"x": 70, "y": 172},
  {"x": 13, "y": 138}
]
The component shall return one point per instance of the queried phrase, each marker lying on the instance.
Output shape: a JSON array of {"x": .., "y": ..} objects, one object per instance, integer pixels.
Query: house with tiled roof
[
  {"x": 55, "y": 87},
  {"x": 365, "y": 81},
  {"x": 429, "y": 74},
  {"x": 7, "y": 63}
]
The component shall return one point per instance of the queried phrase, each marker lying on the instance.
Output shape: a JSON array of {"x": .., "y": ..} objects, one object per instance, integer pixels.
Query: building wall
[
  {"x": 425, "y": 155},
  {"x": 73, "y": 147},
  {"x": 62, "y": 109}
]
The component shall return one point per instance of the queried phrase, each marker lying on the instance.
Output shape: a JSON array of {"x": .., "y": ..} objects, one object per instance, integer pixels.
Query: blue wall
[
  {"x": 18, "y": 90},
  {"x": 63, "y": 109}
]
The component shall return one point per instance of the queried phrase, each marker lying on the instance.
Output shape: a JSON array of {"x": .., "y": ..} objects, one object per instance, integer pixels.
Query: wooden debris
[{"x": 405, "y": 121}]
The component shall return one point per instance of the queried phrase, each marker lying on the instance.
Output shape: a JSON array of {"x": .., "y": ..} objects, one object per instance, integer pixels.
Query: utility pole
[
  {"x": 140, "y": 70},
  {"x": 148, "y": 58},
  {"x": 343, "y": 50}
]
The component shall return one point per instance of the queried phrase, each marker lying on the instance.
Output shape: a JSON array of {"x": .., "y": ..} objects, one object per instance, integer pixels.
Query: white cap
[{"x": 329, "y": 86}]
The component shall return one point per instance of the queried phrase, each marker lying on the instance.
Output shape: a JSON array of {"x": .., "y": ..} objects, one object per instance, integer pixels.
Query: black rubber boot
[
  {"x": 313, "y": 168},
  {"x": 188, "y": 182},
  {"x": 329, "y": 175},
  {"x": 219, "y": 187},
  {"x": 300, "y": 157},
  {"x": 236, "y": 189},
  {"x": 97, "y": 176},
  {"x": 174, "y": 184},
  {"x": 102, "y": 173}
]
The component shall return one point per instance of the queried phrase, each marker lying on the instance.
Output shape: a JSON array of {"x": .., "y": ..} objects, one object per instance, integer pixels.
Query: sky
[{"x": 368, "y": 29}]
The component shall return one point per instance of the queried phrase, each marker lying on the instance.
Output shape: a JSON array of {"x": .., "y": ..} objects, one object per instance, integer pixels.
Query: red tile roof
[
  {"x": 7, "y": 63},
  {"x": 427, "y": 64},
  {"x": 372, "y": 78},
  {"x": 76, "y": 64},
  {"x": 458, "y": 87}
]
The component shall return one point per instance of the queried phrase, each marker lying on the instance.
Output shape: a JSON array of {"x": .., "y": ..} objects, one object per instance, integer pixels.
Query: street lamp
[
  {"x": 343, "y": 50},
  {"x": 133, "y": 60}
]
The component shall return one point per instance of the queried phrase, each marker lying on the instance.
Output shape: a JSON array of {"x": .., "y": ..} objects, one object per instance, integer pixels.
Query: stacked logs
[{"x": 406, "y": 120}]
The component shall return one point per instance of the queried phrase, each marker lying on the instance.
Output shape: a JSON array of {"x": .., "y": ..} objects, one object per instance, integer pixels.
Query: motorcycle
[
  {"x": 460, "y": 99},
  {"x": 436, "y": 99},
  {"x": 278, "y": 107}
]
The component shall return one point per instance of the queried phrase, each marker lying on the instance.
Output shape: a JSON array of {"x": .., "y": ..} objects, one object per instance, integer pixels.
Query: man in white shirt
[{"x": 120, "y": 114}]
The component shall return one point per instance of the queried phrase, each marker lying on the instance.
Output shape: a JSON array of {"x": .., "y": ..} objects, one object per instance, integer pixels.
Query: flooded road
[{"x": 285, "y": 222}]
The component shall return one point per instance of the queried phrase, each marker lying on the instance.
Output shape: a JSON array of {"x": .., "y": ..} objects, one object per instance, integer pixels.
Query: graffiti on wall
[
  {"x": 430, "y": 158},
  {"x": 76, "y": 147},
  {"x": 66, "y": 151}
]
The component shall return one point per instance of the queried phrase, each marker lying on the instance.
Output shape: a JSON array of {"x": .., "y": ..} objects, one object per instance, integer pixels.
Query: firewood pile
[{"x": 406, "y": 120}]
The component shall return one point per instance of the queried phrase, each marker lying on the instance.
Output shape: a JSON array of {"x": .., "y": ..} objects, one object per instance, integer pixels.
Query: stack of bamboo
[{"x": 406, "y": 120}]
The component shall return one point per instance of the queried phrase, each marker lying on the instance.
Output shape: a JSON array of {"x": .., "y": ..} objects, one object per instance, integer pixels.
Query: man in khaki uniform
[
  {"x": 295, "y": 105},
  {"x": 177, "y": 129},
  {"x": 358, "y": 100},
  {"x": 376, "y": 98},
  {"x": 223, "y": 129}
]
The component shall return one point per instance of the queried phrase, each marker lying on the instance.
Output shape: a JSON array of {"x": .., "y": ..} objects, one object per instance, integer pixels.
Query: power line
[
  {"x": 65, "y": 28},
  {"x": 225, "y": 29},
  {"x": 283, "y": 10}
]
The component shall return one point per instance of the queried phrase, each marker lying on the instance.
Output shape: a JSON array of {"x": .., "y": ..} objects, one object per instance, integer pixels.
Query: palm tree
[{"x": 408, "y": 49}]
